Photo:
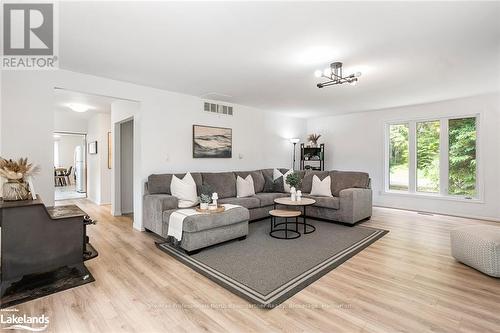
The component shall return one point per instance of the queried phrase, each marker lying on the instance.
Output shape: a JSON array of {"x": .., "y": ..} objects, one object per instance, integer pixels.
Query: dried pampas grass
[
  {"x": 17, "y": 170},
  {"x": 17, "y": 173}
]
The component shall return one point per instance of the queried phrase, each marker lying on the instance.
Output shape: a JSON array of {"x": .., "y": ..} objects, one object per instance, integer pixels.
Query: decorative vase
[
  {"x": 215, "y": 197},
  {"x": 204, "y": 205},
  {"x": 293, "y": 194},
  {"x": 14, "y": 190}
]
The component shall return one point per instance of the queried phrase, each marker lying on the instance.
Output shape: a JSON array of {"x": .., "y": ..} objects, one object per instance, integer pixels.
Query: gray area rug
[{"x": 267, "y": 271}]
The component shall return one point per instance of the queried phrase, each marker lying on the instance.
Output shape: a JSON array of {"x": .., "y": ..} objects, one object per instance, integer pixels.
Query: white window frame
[{"x": 443, "y": 159}]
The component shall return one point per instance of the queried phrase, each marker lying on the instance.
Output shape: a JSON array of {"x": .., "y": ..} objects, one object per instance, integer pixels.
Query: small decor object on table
[
  {"x": 299, "y": 195},
  {"x": 211, "y": 209},
  {"x": 215, "y": 197},
  {"x": 294, "y": 181},
  {"x": 18, "y": 175},
  {"x": 205, "y": 196},
  {"x": 204, "y": 201},
  {"x": 313, "y": 140}
]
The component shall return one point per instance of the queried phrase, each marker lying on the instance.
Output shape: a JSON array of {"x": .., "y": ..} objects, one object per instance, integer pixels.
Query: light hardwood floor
[{"x": 405, "y": 282}]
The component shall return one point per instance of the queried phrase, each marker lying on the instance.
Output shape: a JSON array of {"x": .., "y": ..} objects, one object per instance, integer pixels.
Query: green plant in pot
[
  {"x": 205, "y": 196},
  {"x": 17, "y": 174},
  {"x": 293, "y": 180}
]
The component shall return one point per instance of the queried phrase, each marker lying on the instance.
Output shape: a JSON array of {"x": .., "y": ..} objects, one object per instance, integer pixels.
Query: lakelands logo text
[
  {"x": 24, "y": 322},
  {"x": 29, "y": 36}
]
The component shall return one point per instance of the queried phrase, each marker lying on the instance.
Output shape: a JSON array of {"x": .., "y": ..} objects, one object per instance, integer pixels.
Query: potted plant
[
  {"x": 205, "y": 196},
  {"x": 293, "y": 180},
  {"x": 313, "y": 139},
  {"x": 17, "y": 174},
  {"x": 205, "y": 199}
]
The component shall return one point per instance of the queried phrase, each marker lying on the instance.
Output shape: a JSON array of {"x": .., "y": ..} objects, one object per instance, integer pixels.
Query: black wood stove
[{"x": 36, "y": 239}]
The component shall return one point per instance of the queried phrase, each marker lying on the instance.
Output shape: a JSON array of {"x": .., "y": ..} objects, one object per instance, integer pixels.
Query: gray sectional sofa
[{"x": 351, "y": 201}]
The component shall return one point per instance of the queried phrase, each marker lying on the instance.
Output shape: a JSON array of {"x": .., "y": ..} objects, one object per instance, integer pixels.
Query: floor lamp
[{"x": 294, "y": 141}]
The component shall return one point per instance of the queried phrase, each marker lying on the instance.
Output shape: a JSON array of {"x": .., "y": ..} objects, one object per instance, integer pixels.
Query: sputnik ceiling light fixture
[{"x": 334, "y": 76}]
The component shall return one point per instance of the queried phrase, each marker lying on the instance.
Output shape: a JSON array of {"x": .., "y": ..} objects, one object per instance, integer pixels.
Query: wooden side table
[
  {"x": 286, "y": 214},
  {"x": 304, "y": 202}
]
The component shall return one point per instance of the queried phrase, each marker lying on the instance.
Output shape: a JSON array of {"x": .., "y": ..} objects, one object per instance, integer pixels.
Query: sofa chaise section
[{"x": 200, "y": 231}]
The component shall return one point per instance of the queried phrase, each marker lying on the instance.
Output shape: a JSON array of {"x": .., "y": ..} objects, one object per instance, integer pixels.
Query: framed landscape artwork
[{"x": 212, "y": 142}]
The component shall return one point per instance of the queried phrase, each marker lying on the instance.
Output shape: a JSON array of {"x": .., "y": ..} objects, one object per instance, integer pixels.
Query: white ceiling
[
  {"x": 263, "y": 54},
  {"x": 97, "y": 104}
]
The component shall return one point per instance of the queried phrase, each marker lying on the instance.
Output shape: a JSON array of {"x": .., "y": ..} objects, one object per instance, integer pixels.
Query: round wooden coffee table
[
  {"x": 286, "y": 214},
  {"x": 304, "y": 202}
]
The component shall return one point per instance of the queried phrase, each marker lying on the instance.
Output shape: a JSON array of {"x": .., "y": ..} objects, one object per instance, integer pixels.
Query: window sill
[{"x": 431, "y": 196}]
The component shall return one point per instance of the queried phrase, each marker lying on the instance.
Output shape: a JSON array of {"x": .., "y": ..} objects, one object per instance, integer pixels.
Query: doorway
[
  {"x": 70, "y": 166},
  {"x": 127, "y": 167}
]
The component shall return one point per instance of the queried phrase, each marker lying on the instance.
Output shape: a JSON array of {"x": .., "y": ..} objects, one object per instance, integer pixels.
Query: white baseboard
[{"x": 466, "y": 216}]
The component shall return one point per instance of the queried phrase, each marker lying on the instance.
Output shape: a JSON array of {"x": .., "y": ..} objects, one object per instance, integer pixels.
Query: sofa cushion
[
  {"x": 200, "y": 222},
  {"x": 257, "y": 176},
  {"x": 278, "y": 174},
  {"x": 273, "y": 186},
  {"x": 224, "y": 183},
  {"x": 185, "y": 190},
  {"x": 267, "y": 172},
  {"x": 325, "y": 202},
  {"x": 160, "y": 183},
  {"x": 307, "y": 180},
  {"x": 321, "y": 188},
  {"x": 247, "y": 202},
  {"x": 342, "y": 180},
  {"x": 244, "y": 187},
  {"x": 267, "y": 199}
]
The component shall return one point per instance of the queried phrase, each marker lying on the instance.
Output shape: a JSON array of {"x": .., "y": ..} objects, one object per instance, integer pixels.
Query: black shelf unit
[{"x": 312, "y": 158}]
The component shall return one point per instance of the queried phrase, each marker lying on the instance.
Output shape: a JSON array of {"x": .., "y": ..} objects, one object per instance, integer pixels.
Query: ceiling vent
[{"x": 218, "y": 108}]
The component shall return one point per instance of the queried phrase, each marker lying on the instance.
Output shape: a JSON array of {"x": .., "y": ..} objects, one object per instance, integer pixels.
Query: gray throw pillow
[{"x": 271, "y": 186}]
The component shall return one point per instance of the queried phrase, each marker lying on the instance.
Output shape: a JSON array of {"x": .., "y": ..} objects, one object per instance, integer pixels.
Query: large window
[
  {"x": 428, "y": 156},
  {"x": 436, "y": 156},
  {"x": 398, "y": 159},
  {"x": 462, "y": 157}
]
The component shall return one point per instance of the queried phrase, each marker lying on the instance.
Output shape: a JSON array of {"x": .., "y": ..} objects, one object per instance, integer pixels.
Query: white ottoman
[{"x": 478, "y": 246}]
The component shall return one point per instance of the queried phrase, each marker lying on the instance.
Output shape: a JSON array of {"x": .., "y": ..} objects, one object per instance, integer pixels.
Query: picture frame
[
  {"x": 212, "y": 142},
  {"x": 92, "y": 147},
  {"x": 110, "y": 151}
]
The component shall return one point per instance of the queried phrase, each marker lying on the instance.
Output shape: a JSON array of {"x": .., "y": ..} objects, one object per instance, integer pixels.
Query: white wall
[
  {"x": 98, "y": 174},
  {"x": 163, "y": 125},
  {"x": 356, "y": 142},
  {"x": 259, "y": 138},
  {"x": 127, "y": 166},
  {"x": 68, "y": 121}
]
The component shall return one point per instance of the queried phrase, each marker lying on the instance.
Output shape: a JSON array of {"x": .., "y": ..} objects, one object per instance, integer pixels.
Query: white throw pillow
[
  {"x": 321, "y": 188},
  {"x": 185, "y": 190},
  {"x": 245, "y": 187},
  {"x": 277, "y": 174}
]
